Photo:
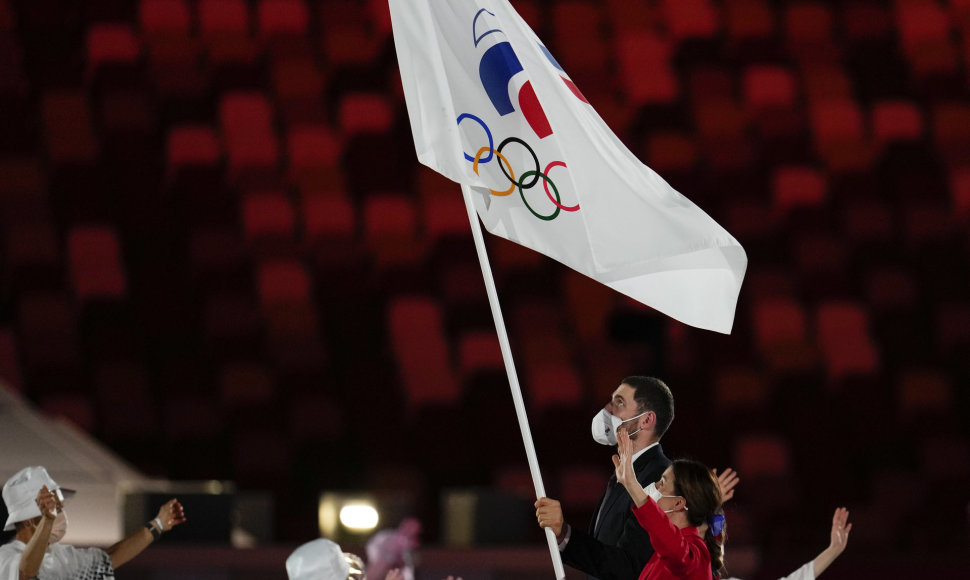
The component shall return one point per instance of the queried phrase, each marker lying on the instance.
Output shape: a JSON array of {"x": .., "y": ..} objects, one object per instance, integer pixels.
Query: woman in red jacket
[{"x": 682, "y": 514}]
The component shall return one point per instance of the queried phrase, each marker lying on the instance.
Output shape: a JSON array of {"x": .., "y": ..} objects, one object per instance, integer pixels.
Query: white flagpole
[{"x": 503, "y": 341}]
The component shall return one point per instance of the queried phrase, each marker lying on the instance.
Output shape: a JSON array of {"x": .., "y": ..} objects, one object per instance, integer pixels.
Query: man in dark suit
[{"x": 615, "y": 547}]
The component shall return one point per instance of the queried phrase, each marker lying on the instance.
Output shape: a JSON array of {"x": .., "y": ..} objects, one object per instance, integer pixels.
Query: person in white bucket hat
[
  {"x": 35, "y": 504},
  {"x": 323, "y": 560}
]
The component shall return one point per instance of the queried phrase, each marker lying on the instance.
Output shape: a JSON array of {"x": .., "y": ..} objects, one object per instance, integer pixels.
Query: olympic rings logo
[{"x": 526, "y": 180}]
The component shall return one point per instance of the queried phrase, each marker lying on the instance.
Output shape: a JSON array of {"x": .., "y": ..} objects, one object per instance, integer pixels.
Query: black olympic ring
[{"x": 536, "y": 173}]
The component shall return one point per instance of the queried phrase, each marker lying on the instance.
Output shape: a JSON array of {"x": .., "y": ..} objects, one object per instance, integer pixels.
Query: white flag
[{"x": 491, "y": 109}]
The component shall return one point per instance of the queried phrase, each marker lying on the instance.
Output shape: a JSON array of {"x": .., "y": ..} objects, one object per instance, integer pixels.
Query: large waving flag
[{"x": 493, "y": 110}]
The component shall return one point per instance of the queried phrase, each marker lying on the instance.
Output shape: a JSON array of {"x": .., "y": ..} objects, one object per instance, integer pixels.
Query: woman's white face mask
[{"x": 58, "y": 528}]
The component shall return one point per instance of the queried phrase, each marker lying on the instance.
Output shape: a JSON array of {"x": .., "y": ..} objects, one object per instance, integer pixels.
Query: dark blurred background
[{"x": 221, "y": 258}]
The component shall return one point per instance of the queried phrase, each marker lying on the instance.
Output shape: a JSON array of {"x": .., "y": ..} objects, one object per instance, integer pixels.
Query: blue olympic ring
[{"x": 491, "y": 142}]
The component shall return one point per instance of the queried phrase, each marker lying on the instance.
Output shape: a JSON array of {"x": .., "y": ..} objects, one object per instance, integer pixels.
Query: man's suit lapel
[{"x": 614, "y": 490}]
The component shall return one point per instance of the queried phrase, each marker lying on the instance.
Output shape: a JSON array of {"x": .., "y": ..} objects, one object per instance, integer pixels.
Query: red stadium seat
[
  {"x": 691, "y": 18},
  {"x": 553, "y": 384},
  {"x": 794, "y": 187},
  {"x": 646, "y": 69},
  {"x": 192, "y": 145},
  {"x": 112, "y": 44},
  {"x": 840, "y": 135},
  {"x": 165, "y": 17},
  {"x": 896, "y": 121},
  {"x": 68, "y": 128},
  {"x": 363, "y": 113},
  {"x": 628, "y": 15},
  {"x": 582, "y": 486},
  {"x": 249, "y": 134},
  {"x": 769, "y": 86},
  {"x": 779, "y": 320},
  {"x": 826, "y": 82},
  {"x": 479, "y": 350},
  {"x": 845, "y": 341},
  {"x": 96, "y": 263},
  {"x": 350, "y": 45},
  {"x": 722, "y": 126},
  {"x": 757, "y": 456},
  {"x": 951, "y": 132},
  {"x": 808, "y": 31},
  {"x": 670, "y": 151},
  {"x": 589, "y": 304},
  {"x": 864, "y": 21},
  {"x": 391, "y": 229},
  {"x": 445, "y": 215},
  {"x": 574, "y": 20},
  {"x": 298, "y": 84},
  {"x": 312, "y": 147},
  {"x": 740, "y": 389},
  {"x": 280, "y": 281},
  {"x": 960, "y": 191},
  {"x": 282, "y": 18},
  {"x": 418, "y": 342},
  {"x": 714, "y": 83},
  {"x": 747, "y": 20},
  {"x": 328, "y": 215},
  {"x": 268, "y": 216},
  {"x": 223, "y": 17},
  {"x": 920, "y": 23},
  {"x": 389, "y": 216}
]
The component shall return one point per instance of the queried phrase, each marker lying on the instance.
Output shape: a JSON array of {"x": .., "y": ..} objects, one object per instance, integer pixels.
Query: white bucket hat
[
  {"x": 20, "y": 494},
  {"x": 322, "y": 560}
]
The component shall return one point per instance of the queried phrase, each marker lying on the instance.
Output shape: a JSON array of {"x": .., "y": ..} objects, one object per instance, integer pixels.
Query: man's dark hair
[{"x": 651, "y": 394}]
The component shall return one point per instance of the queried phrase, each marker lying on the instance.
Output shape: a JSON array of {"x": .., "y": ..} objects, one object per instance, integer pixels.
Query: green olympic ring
[{"x": 555, "y": 190}]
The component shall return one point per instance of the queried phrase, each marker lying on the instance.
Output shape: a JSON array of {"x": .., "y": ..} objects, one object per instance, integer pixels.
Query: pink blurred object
[{"x": 389, "y": 549}]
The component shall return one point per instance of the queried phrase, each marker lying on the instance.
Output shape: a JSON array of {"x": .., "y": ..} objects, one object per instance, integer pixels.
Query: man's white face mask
[
  {"x": 58, "y": 528},
  {"x": 605, "y": 425}
]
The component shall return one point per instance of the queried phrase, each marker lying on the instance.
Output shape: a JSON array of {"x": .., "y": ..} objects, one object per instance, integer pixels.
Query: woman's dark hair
[{"x": 698, "y": 486}]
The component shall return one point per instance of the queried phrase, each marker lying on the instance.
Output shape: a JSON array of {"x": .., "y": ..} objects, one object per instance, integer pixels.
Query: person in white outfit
[
  {"x": 839, "y": 539},
  {"x": 35, "y": 504}
]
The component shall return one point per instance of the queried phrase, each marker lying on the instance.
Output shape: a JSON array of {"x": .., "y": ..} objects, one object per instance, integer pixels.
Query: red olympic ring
[
  {"x": 502, "y": 158},
  {"x": 545, "y": 185}
]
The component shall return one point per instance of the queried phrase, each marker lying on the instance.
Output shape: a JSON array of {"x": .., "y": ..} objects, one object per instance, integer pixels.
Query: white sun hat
[
  {"x": 322, "y": 560},
  {"x": 20, "y": 494}
]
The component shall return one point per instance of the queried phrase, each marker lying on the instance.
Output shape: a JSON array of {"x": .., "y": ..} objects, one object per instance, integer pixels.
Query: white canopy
[{"x": 75, "y": 460}]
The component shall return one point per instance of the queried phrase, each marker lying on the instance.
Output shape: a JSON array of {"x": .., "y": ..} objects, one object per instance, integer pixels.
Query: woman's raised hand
[
  {"x": 840, "y": 530},
  {"x": 623, "y": 461}
]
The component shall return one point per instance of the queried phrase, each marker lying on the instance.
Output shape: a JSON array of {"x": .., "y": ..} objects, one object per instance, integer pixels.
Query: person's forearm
[
  {"x": 130, "y": 547},
  {"x": 636, "y": 493},
  {"x": 823, "y": 560},
  {"x": 33, "y": 555}
]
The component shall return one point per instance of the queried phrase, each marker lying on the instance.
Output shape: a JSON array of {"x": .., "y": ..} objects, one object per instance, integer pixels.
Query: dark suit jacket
[{"x": 616, "y": 547}]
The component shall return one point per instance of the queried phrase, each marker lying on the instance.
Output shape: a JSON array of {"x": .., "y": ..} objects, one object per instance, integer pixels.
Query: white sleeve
[
  {"x": 806, "y": 572},
  {"x": 9, "y": 563}
]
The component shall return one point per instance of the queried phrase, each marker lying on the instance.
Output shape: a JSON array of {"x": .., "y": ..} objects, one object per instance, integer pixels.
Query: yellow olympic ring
[{"x": 511, "y": 188}]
